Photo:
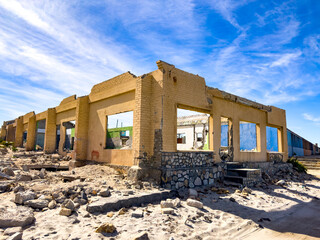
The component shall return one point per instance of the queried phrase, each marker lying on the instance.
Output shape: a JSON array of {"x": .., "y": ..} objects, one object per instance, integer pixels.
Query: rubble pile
[{"x": 101, "y": 198}]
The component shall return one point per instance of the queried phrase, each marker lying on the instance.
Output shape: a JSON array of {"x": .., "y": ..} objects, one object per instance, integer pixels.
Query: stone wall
[
  {"x": 189, "y": 169},
  {"x": 269, "y": 167}
]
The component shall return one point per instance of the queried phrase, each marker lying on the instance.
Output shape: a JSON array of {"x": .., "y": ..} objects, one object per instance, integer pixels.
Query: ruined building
[{"x": 80, "y": 127}]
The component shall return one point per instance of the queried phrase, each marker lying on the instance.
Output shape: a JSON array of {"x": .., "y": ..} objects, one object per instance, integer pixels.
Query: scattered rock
[
  {"x": 247, "y": 190},
  {"x": 52, "y": 204},
  {"x": 194, "y": 203},
  {"x": 21, "y": 197},
  {"x": 232, "y": 199},
  {"x": 281, "y": 183},
  {"x": 19, "y": 188},
  {"x": 5, "y": 176},
  {"x": 137, "y": 214},
  {"x": 176, "y": 203},
  {"x": 106, "y": 228},
  {"x": 12, "y": 230},
  {"x": 122, "y": 211},
  {"x": 110, "y": 214},
  {"x": 69, "y": 204},
  {"x": 104, "y": 193},
  {"x": 167, "y": 204},
  {"x": 16, "y": 236},
  {"x": 24, "y": 178},
  {"x": 8, "y": 171},
  {"x": 19, "y": 216},
  {"x": 65, "y": 211},
  {"x": 167, "y": 211},
  {"x": 141, "y": 236},
  {"x": 37, "y": 203},
  {"x": 4, "y": 186}
]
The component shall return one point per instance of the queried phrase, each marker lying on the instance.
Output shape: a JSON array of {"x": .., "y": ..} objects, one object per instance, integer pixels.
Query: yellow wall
[{"x": 154, "y": 99}]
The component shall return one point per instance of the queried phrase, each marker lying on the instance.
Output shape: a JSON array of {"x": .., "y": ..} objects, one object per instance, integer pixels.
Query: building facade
[{"x": 79, "y": 126}]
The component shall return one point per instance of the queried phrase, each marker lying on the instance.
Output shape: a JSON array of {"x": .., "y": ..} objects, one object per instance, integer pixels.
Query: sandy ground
[{"x": 275, "y": 212}]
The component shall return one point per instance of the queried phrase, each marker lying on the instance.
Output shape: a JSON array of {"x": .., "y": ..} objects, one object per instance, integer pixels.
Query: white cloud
[
  {"x": 311, "y": 118},
  {"x": 286, "y": 59}
]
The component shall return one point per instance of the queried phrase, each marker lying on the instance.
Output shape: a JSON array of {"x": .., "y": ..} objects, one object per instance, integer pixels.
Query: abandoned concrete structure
[{"x": 78, "y": 126}]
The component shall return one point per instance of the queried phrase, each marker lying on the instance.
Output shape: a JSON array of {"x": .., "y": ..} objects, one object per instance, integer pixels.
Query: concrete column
[
  {"x": 11, "y": 133},
  {"x": 236, "y": 139},
  {"x": 19, "y": 132},
  {"x": 50, "y": 133},
  {"x": 31, "y": 137},
  {"x": 216, "y": 135},
  {"x": 3, "y": 133},
  {"x": 81, "y": 129},
  {"x": 211, "y": 141},
  {"x": 142, "y": 135}
]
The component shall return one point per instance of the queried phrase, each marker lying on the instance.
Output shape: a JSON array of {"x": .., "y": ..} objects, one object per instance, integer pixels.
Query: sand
[{"x": 290, "y": 212}]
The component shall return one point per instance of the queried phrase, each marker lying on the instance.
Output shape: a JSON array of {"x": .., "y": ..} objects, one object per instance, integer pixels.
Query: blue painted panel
[
  {"x": 224, "y": 135},
  {"x": 272, "y": 139},
  {"x": 248, "y": 136}
]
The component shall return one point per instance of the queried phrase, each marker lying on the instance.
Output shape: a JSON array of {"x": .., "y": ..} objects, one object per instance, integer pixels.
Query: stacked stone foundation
[{"x": 189, "y": 169}]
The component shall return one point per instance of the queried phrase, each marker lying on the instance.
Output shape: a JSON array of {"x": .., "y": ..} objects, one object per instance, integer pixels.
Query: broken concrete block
[
  {"x": 36, "y": 203},
  {"x": 16, "y": 236},
  {"x": 52, "y": 204},
  {"x": 68, "y": 204},
  {"x": 193, "y": 192},
  {"x": 21, "y": 197},
  {"x": 167, "y": 210},
  {"x": 15, "y": 217},
  {"x": 167, "y": 204},
  {"x": 194, "y": 203},
  {"x": 137, "y": 214},
  {"x": 141, "y": 236},
  {"x": 8, "y": 171},
  {"x": 106, "y": 228},
  {"x": 65, "y": 212}
]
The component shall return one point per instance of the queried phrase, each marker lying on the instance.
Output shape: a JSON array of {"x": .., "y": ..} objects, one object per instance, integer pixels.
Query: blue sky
[{"x": 267, "y": 51}]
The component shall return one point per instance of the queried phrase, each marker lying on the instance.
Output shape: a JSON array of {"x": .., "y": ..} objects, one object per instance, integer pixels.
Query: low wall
[
  {"x": 122, "y": 157},
  {"x": 269, "y": 167},
  {"x": 189, "y": 169}
]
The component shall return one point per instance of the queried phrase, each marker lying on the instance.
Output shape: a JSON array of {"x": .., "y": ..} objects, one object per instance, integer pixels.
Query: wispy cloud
[{"x": 309, "y": 117}]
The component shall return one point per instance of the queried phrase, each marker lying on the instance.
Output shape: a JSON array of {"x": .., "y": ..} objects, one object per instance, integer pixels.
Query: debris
[
  {"x": 281, "y": 183},
  {"x": 232, "y": 199},
  {"x": 104, "y": 193},
  {"x": 21, "y": 197},
  {"x": 141, "y": 236},
  {"x": 110, "y": 214},
  {"x": 52, "y": 204},
  {"x": 8, "y": 171},
  {"x": 37, "y": 203},
  {"x": 246, "y": 190},
  {"x": 167, "y": 204},
  {"x": 65, "y": 211},
  {"x": 167, "y": 210},
  {"x": 106, "y": 228},
  {"x": 137, "y": 214},
  {"x": 176, "y": 203},
  {"x": 122, "y": 211},
  {"x": 19, "y": 216},
  {"x": 194, "y": 203},
  {"x": 69, "y": 204},
  {"x": 11, "y": 231},
  {"x": 16, "y": 236},
  {"x": 24, "y": 178}
]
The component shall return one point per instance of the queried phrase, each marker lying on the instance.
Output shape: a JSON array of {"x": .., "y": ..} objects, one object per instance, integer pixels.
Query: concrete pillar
[
  {"x": 50, "y": 133},
  {"x": 3, "y": 133},
  {"x": 236, "y": 139},
  {"x": 81, "y": 129},
  {"x": 216, "y": 135},
  {"x": 31, "y": 137},
  {"x": 11, "y": 133},
  {"x": 19, "y": 132},
  {"x": 142, "y": 135},
  {"x": 211, "y": 133}
]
